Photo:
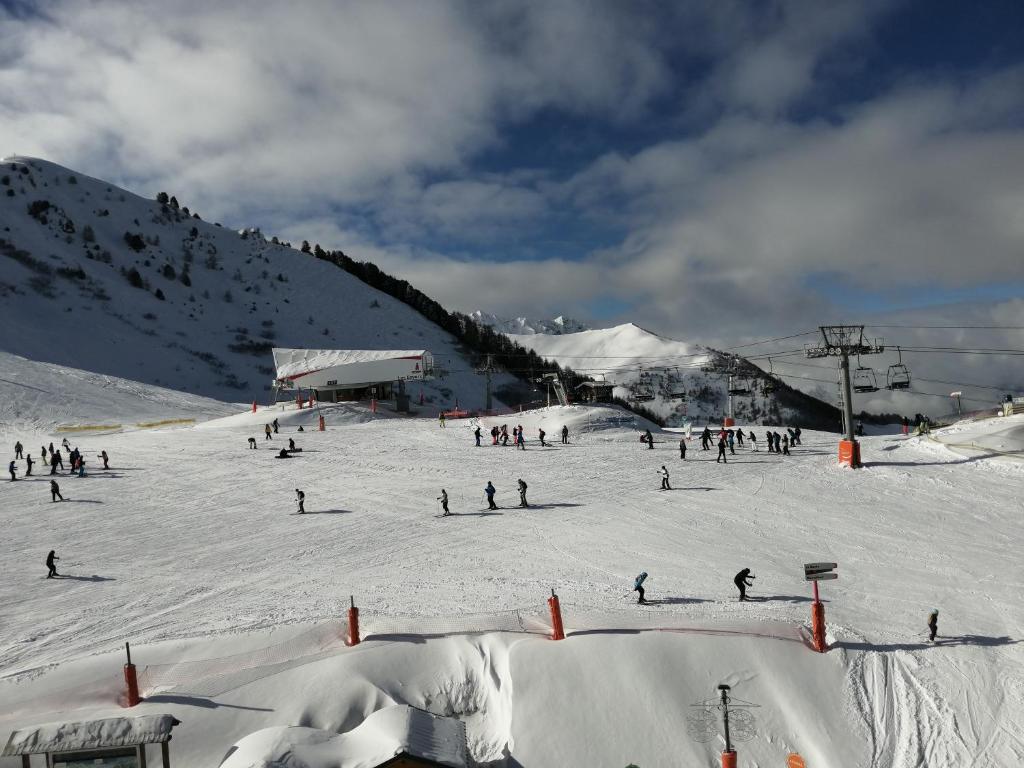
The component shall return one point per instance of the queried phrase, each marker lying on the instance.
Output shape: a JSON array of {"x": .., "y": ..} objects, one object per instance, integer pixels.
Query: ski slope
[{"x": 190, "y": 548}]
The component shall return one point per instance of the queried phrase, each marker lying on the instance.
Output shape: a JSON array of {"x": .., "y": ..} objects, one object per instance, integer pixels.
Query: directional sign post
[{"x": 815, "y": 572}]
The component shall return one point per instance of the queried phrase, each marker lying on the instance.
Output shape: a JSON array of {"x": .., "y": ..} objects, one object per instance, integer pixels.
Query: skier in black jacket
[
  {"x": 522, "y": 493},
  {"x": 49, "y": 564},
  {"x": 721, "y": 451},
  {"x": 741, "y": 582}
]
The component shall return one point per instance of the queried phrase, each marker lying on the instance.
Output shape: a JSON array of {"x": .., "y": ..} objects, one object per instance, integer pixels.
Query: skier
[
  {"x": 705, "y": 439},
  {"x": 443, "y": 498},
  {"x": 275, "y": 424},
  {"x": 291, "y": 445},
  {"x": 565, "y": 435},
  {"x": 301, "y": 498},
  {"x": 266, "y": 432},
  {"x": 540, "y": 434},
  {"x": 504, "y": 435},
  {"x": 106, "y": 459},
  {"x": 494, "y": 435},
  {"x": 753, "y": 442},
  {"x": 43, "y": 454},
  {"x": 796, "y": 437},
  {"x": 520, "y": 440},
  {"x": 933, "y": 624},
  {"x": 81, "y": 467},
  {"x": 11, "y": 468},
  {"x": 55, "y": 491},
  {"x": 721, "y": 451},
  {"x": 440, "y": 419},
  {"x": 741, "y": 582},
  {"x": 731, "y": 439},
  {"x": 649, "y": 438},
  {"x": 739, "y": 437},
  {"x": 778, "y": 442},
  {"x": 252, "y": 443},
  {"x": 785, "y": 444},
  {"x": 53, "y": 465},
  {"x": 906, "y": 426},
  {"x": 18, "y": 450},
  {"x": 682, "y": 449},
  {"x": 490, "y": 490},
  {"x": 664, "y": 479},
  {"x": 28, "y": 461},
  {"x": 476, "y": 434},
  {"x": 66, "y": 445},
  {"x": 49, "y": 564},
  {"x": 522, "y": 493},
  {"x": 638, "y": 586}
]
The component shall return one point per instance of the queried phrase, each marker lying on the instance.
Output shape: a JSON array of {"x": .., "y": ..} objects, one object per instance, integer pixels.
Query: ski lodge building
[{"x": 341, "y": 375}]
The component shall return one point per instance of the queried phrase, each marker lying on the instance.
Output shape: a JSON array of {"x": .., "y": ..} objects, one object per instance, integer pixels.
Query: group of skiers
[
  {"x": 53, "y": 458},
  {"x": 518, "y": 436},
  {"x": 489, "y": 491},
  {"x": 741, "y": 580},
  {"x": 729, "y": 439}
]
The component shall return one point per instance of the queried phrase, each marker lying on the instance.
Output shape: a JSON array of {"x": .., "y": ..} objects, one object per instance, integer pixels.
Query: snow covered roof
[
  {"x": 385, "y": 734},
  {"x": 296, "y": 362},
  {"x": 90, "y": 734}
]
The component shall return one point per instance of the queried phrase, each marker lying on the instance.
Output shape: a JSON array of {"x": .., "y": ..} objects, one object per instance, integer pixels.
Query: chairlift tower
[
  {"x": 486, "y": 370},
  {"x": 842, "y": 341}
]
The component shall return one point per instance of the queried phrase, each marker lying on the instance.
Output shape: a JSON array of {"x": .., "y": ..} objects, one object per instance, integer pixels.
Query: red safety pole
[
  {"x": 729, "y": 759},
  {"x": 254, "y": 406},
  {"x": 353, "y": 623},
  {"x": 321, "y": 423},
  {"x": 557, "y": 633},
  {"x": 131, "y": 680},
  {"x": 818, "y": 621}
]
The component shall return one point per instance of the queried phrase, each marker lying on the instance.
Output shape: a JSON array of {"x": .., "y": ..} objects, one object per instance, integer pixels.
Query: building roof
[
  {"x": 384, "y": 735},
  {"x": 90, "y": 734},
  {"x": 293, "y": 363},
  {"x": 596, "y": 385}
]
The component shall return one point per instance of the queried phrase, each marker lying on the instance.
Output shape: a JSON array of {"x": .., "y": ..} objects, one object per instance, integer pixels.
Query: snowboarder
[
  {"x": 28, "y": 462},
  {"x": 682, "y": 449},
  {"x": 476, "y": 434},
  {"x": 301, "y": 498},
  {"x": 11, "y": 468},
  {"x": 443, "y": 498},
  {"x": 252, "y": 443},
  {"x": 721, "y": 451},
  {"x": 106, "y": 459},
  {"x": 275, "y": 425},
  {"x": 440, "y": 419},
  {"x": 49, "y": 564},
  {"x": 638, "y": 586},
  {"x": 266, "y": 432},
  {"x": 565, "y": 435},
  {"x": 664, "y": 479},
  {"x": 490, "y": 490},
  {"x": 741, "y": 582},
  {"x": 649, "y": 439},
  {"x": 540, "y": 434},
  {"x": 18, "y": 450},
  {"x": 522, "y": 493},
  {"x": 55, "y": 491},
  {"x": 933, "y": 624}
]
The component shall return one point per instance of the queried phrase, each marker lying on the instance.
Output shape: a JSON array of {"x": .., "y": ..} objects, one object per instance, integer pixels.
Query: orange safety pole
[
  {"x": 818, "y": 622},
  {"x": 729, "y": 759},
  {"x": 321, "y": 423},
  {"x": 131, "y": 680},
  {"x": 254, "y": 406},
  {"x": 558, "y": 633},
  {"x": 353, "y": 623}
]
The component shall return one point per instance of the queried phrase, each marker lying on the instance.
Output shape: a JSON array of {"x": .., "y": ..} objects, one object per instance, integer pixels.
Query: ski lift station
[{"x": 342, "y": 375}]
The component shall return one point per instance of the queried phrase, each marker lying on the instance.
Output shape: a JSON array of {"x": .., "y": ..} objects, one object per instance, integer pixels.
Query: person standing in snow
[
  {"x": 28, "y": 462},
  {"x": 275, "y": 425},
  {"x": 476, "y": 434},
  {"x": 682, "y": 448},
  {"x": 266, "y": 432},
  {"x": 753, "y": 441},
  {"x": 520, "y": 440},
  {"x": 705, "y": 439},
  {"x": 49, "y": 564},
  {"x": 440, "y": 420},
  {"x": 53, "y": 465},
  {"x": 540, "y": 434},
  {"x": 739, "y": 437},
  {"x": 522, "y": 493},
  {"x": 785, "y": 444},
  {"x": 12, "y": 469},
  {"x": 741, "y": 582},
  {"x": 55, "y": 491},
  {"x": 490, "y": 491},
  {"x": 664, "y": 479},
  {"x": 504, "y": 435},
  {"x": 106, "y": 459},
  {"x": 731, "y": 439},
  {"x": 301, "y": 498},
  {"x": 721, "y": 451},
  {"x": 43, "y": 454},
  {"x": 933, "y": 624},
  {"x": 796, "y": 437},
  {"x": 443, "y": 498},
  {"x": 649, "y": 438},
  {"x": 18, "y": 450},
  {"x": 638, "y": 586},
  {"x": 565, "y": 435},
  {"x": 66, "y": 445},
  {"x": 81, "y": 467},
  {"x": 252, "y": 443}
]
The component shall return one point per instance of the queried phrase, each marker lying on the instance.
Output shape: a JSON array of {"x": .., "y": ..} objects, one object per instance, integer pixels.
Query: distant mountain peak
[{"x": 526, "y": 326}]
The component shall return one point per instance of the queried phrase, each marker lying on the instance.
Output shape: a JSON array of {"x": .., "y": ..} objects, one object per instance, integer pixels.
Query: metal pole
[
  {"x": 725, "y": 720},
  {"x": 844, "y": 370},
  {"x": 487, "y": 376}
]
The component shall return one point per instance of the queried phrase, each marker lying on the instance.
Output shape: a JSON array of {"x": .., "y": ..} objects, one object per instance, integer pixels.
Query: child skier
[
  {"x": 476, "y": 434},
  {"x": 106, "y": 459},
  {"x": 664, "y": 479},
  {"x": 301, "y": 498},
  {"x": 721, "y": 451}
]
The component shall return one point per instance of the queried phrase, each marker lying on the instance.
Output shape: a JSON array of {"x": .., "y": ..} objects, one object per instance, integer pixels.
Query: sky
[{"x": 718, "y": 172}]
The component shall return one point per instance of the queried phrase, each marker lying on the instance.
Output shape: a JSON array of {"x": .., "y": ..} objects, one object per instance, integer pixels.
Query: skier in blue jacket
[
  {"x": 638, "y": 586},
  {"x": 490, "y": 490}
]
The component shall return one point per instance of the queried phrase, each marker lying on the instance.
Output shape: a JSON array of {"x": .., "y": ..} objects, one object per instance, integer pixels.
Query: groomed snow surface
[{"x": 190, "y": 547}]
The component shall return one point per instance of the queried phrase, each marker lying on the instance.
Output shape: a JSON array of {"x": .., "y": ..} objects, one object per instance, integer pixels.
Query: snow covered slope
[
  {"x": 96, "y": 278},
  {"x": 636, "y": 360},
  {"x": 526, "y": 325},
  {"x": 189, "y": 547}
]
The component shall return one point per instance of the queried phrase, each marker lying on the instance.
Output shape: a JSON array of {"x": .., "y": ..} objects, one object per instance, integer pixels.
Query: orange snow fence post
[
  {"x": 131, "y": 681},
  {"x": 849, "y": 453},
  {"x": 321, "y": 423},
  {"x": 557, "y": 633},
  {"x": 353, "y": 623},
  {"x": 254, "y": 406},
  {"x": 729, "y": 421},
  {"x": 795, "y": 761},
  {"x": 818, "y": 626},
  {"x": 729, "y": 759}
]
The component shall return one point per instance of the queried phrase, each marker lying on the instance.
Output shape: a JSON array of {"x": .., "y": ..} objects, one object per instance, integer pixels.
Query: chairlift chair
[
  {"x": 642, "y": 394},
  {"x": 864, "y": 380},
  {"x": 898, "y": 375},
  {"x": 738, "y": 386},
  {"x": 769, "y": 385}
]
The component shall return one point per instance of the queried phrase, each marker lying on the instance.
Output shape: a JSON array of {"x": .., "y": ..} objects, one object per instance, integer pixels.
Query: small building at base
[
  {"x": 113, "y": 741},
  {"x": 595, "y": 392}
]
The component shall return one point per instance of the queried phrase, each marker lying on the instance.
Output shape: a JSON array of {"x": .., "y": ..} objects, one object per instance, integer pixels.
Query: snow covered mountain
[
  {"x": 672, "y": 378},
  {"x": 96, "y": 278},
  {"x": 529, "y": 326}
]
